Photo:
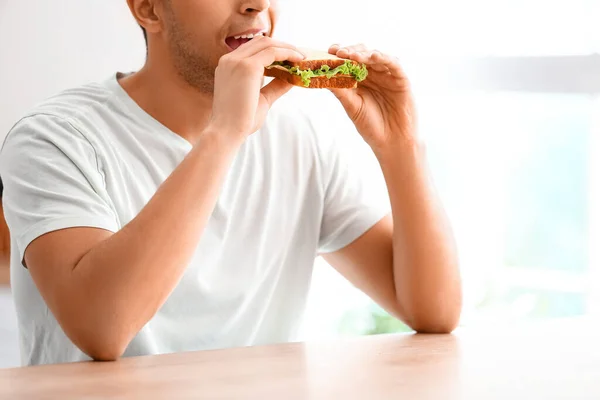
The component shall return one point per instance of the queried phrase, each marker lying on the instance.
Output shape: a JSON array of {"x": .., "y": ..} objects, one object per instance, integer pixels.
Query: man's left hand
[{"x": 382, "y": 107}]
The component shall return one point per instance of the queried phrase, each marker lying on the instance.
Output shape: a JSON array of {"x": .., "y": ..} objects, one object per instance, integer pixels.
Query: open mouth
[{"x": 234, "y": 42}]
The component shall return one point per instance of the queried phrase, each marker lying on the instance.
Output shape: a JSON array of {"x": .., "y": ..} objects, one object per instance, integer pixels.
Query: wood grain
[{"x": 484, "y": 365}]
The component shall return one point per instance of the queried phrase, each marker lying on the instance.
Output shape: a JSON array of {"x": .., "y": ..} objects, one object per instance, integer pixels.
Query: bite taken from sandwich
[{"x": 320, "y": 70}]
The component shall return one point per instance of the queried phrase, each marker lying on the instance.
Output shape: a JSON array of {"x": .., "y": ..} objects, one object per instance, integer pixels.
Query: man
[{"x": 169, "y": 210}]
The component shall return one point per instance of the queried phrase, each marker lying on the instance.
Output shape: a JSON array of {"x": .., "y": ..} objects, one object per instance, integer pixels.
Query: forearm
[
  {"x": 4, "y": 274},
  {"x": 426, "y": 272},
  {"x": 5, "y": 267},
  {"x": 118, "y": 286}
]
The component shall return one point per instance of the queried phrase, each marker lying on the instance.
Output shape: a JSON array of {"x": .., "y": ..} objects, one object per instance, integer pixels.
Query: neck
[{"x": 160, "y": 91}]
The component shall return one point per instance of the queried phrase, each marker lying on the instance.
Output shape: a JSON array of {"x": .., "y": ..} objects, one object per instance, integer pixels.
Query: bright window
[{"x": 508, "y": 98}]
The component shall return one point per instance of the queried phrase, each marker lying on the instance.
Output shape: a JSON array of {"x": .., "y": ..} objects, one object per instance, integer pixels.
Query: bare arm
[
  {"x": 408, "y": 263},
  {"x": 106, "y": 287},
  {"x": 102, "y": 287},
  {"x": 426, "y": 268}
]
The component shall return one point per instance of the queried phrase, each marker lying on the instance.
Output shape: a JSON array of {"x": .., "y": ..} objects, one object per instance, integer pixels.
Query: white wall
[
  {"x": 47, "y": 46},
  {"x": 50, "y": 45}
]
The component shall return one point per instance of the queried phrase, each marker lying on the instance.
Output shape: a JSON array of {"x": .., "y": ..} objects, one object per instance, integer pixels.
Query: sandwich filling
[{"x": 357, "y": 71}]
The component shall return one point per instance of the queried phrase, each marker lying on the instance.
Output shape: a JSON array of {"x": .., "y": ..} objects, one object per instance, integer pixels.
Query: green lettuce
[{"x": 359, "y": 72}]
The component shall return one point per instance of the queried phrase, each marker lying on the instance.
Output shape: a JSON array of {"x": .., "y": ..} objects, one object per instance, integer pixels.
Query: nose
[{"x": 255, "y": 6}]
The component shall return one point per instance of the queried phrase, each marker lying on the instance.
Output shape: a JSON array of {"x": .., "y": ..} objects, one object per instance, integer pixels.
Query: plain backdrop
[{"x": 48, "y": 46}]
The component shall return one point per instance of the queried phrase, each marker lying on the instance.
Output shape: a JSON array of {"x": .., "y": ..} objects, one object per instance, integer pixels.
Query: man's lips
[
  {"x": 239, "y": 39},
  {"x": 234, "y": 43}
]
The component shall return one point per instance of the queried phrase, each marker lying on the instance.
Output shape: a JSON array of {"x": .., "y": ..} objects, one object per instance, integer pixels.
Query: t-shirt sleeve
[
  {"x": 51, "y": 181},
  {"x": 354, "y": 193}
]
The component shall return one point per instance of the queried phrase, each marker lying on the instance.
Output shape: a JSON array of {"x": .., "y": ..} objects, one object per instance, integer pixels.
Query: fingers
[
  {"x": 274, "y": 90},
  {"x": 374, "y": 63},
  {"x": 269, "y": 55},
  {"x": 259, "y": 44},
  {"x": 265, "y": 51},
  {"x": 341, "y": 94},
  {"x": 391, "y": 63},
  {"x": 357, "y": 52},
  {"x": 375, "y": 59},
  {"x": 350, "y": 100}
]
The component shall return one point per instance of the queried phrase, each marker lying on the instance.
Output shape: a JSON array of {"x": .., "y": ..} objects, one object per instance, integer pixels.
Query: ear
[{"x": 146, "y": 14}]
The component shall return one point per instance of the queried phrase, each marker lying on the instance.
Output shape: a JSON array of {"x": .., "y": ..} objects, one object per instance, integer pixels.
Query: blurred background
[{"x": 508, "y": 95}]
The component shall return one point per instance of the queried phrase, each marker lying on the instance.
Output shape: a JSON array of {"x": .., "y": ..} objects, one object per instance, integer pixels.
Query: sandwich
[{"x": 319, "y": 70}]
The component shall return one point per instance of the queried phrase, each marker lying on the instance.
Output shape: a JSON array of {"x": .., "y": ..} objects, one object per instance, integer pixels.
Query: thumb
[
  {"x": 268, "y": 96},
  {"x": 350, "y": 100},
  {"x": 274, "y": 90}
]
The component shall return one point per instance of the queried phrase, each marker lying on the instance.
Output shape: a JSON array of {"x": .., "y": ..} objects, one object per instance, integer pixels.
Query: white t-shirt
[{"x": 91, "y": 157}]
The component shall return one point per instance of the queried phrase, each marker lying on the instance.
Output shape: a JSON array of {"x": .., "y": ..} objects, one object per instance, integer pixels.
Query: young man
[{"x": 169, "y": 210}]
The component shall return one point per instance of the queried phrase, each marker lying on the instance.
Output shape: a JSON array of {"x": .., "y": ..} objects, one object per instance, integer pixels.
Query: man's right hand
[{"x": 239, "y": 105}]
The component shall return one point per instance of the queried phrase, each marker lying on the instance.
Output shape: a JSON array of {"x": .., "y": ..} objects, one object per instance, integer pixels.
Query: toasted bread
[
  {"x": 321, "y": 82},
  {"x": 315, "y": 60}
]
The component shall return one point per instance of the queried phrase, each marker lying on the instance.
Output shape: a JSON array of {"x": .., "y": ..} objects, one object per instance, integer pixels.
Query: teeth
[{"x": 250, "y": 36}]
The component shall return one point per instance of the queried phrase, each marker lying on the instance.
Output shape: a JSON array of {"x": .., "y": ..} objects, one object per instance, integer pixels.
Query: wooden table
[{"x": 469, "y": 365}]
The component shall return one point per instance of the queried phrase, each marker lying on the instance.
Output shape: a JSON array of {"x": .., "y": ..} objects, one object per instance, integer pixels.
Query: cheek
[{"x": 200, "y": 19}]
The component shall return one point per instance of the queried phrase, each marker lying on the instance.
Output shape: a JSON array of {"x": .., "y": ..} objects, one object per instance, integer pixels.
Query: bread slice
[
  {"x": 314, "y": 61},
  {"x": 321, "y": 82}
]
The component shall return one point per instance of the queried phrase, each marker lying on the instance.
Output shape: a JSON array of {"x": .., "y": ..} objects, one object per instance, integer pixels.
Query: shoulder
[
  {"x": 42, "y": 133},
  {"x": 74, "y": 103},
  {"x": 42, "y": 139},
  {"x": 67, "y": 110},
  {"x": 59, "y": 119}
]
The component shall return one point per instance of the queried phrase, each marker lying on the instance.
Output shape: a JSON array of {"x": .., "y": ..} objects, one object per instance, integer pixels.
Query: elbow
[
  {"x": 440, "y": 319},
  {"x": 103, "y": 335},
  {"x": 101, "y": 345},
  {"x": 104, "y": 354},
  {"x": 434, "y": 327}
]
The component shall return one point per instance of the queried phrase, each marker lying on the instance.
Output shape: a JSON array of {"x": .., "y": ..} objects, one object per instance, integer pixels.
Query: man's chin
[{"x": 203, "y": 83}]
